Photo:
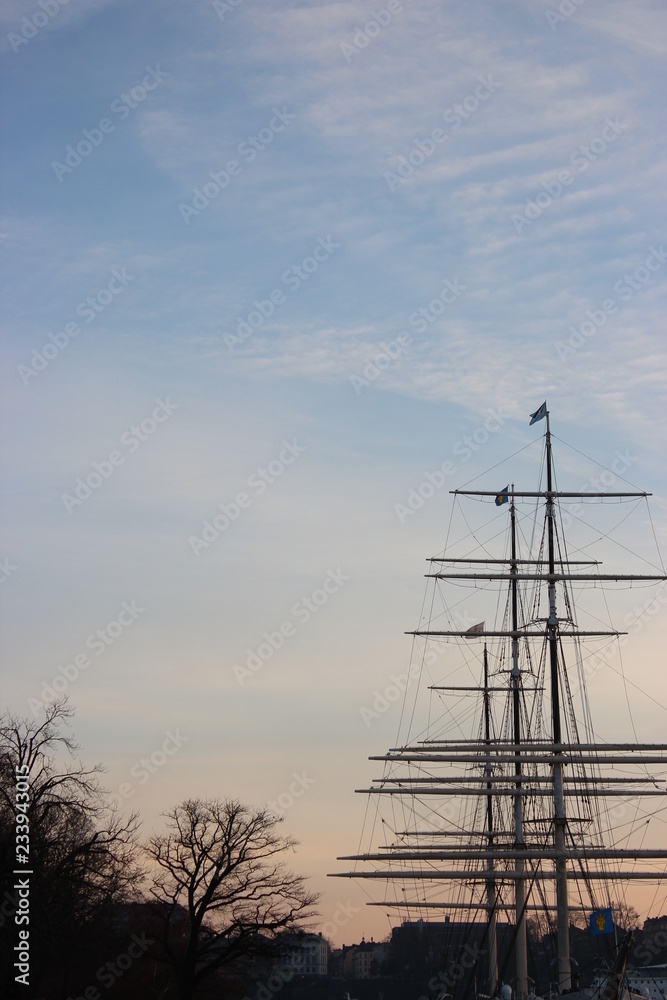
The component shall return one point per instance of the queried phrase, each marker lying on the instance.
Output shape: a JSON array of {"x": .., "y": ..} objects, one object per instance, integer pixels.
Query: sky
[{"x": 267, "y": 267}]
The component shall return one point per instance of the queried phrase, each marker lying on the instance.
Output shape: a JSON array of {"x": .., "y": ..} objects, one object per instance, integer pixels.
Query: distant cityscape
[{"x": 418, "y": 961}]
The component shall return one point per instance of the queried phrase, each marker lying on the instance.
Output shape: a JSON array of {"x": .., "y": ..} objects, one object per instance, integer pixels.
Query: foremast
[
  {"x": 521, "y": 944},
  {"x": 492, "y": 965}
]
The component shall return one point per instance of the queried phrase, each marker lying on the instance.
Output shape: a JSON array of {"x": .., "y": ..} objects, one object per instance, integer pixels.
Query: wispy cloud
[{"x": 485, "y": 205}]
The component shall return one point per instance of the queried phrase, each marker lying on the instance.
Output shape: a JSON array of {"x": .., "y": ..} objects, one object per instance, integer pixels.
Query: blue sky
[{"x": 421, "y": 216}]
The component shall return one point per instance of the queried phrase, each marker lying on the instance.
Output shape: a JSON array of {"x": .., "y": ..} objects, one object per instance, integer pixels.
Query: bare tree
[
  {"x": 82, "y": 856},
  {"x": 626, "y": 916},
  {"x": 220, "y": 880}
]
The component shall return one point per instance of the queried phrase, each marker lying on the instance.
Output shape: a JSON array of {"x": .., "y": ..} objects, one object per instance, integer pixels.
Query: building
[
  {"x": 304, "y": 954},
  {"x": 359, "y": 961}
]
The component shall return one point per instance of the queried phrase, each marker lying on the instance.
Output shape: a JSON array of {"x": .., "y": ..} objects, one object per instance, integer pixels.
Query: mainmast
[{"x": 560, "y": 822}]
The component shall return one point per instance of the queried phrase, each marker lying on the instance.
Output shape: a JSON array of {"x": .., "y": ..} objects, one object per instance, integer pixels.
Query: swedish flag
[{"x": 503, "y": 496}]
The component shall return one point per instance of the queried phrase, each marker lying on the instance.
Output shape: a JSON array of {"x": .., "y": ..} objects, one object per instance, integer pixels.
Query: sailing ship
[{"x": 508, "y": 805}]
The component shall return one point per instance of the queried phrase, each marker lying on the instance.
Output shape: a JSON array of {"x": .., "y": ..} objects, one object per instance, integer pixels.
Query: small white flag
[{"x": 475, "y": 629}]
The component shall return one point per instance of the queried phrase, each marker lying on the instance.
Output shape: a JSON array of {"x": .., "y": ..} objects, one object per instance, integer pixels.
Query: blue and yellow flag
[
  {"x": 602, "y": 921},
  {"x": 503, "y": 496}
]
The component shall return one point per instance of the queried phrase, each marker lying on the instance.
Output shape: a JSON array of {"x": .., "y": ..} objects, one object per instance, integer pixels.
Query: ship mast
[
  {"x": 525, "y": 774},
  {"x": 521, "y": 950},
  {"x": 560, "y": 822},
  {"x": 490, "y": 864}
]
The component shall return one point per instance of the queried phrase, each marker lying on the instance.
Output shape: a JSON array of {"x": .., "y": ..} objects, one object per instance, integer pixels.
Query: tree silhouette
[
  {"x": 82, "y": 856},
  {"x": 219, "y": 866}
]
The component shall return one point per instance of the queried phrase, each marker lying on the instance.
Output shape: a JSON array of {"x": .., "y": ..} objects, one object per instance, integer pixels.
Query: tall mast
[
  {"x": 560, "y": 822},
  {"x": 490, "y": 883},
  {"x": 521, "y": 953},
  {"x": 523, "y": 774}
]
